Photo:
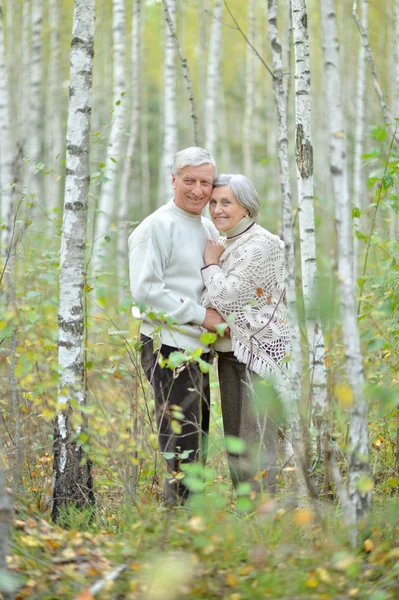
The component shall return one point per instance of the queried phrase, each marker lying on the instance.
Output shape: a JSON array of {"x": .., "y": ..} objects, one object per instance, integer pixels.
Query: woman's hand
[{"x": 213, "y": 251}]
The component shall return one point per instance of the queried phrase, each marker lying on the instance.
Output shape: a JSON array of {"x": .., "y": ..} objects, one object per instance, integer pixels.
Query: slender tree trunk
[
  {"x": 358, "y": 467},
  {"x": 280, "y": 96},
  {"x": 247, "y": 128},
  {"x": 35, "y": 97},
  {"x": 72, "y": 473},
  {"x": 5, "y": 523},
  {"x": 365, "y": 41},
  {"x": 7, "y": 154},
  {"x": 170, "y": 116},
  {"x": 17, "y": 472},
  {"x": 54, "y": 142},
  {"x": 186, "y": 71},
  {"x": 304, "y": 161},
  {"x": 358, "y": 180},
  {"x": 395, "y": 219},
  {"x": 125, "y": 196},
  {"x": 213, "y": 78},
  {"x": 116, "y": 138},
  {"x": 144, "y": 157}
]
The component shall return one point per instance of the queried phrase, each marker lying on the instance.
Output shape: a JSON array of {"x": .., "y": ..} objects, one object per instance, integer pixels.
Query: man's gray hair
[
  {"x": 193, "y": 157},
  {"x": 243, "y": 189}
]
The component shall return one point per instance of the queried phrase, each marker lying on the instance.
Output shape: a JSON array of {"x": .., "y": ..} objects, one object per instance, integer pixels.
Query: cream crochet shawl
[{"x": 249, "y": 284}]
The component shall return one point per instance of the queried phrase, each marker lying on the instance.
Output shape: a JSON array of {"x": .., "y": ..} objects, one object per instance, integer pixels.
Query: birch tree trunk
[
  {"x": 170, "y": 118},
  {"x": 304, "y": 163},
  {"x": 35, "y": 97},
  {"x": 72, "y": 482},
  {"x": 5, "y": 522},
  {"x": 144, "y": 158},
  {"x": 24, "y": 104},
  {"x": 395, "y": 218},
  {"x": 358, "y": 467},
  {"x": 358, "y": 183},
  {"x": 247, "y": 131},
  {"x": 212, "y": 80},
  {"x": 54, "y": 144},
  {"x": 7, "y": 154},
  {"x": 186, "y": 71},
  {"x": 280, "y": 96},
  {"x": 116, "y": 138},
  {"x": 127, "y": 166}
]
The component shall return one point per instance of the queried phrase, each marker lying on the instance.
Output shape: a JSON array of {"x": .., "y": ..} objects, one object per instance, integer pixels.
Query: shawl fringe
[{"x": 257, "y": 364}]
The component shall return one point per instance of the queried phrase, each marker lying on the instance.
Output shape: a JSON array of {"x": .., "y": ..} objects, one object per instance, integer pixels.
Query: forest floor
[{"x": 209, "y": 549}]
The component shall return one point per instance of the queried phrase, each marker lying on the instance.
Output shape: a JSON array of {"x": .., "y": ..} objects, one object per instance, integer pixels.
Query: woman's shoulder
[{"x": 263, "y": 236}]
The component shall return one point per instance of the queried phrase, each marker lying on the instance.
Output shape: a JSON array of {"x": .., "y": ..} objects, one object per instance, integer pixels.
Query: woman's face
[{"x": 225, "y": 209}]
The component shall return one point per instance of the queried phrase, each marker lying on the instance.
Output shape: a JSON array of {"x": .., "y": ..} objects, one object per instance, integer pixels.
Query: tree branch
[
  {"x": 186, "y": 71},
  {"x": 384, "y": 107},
  {"x": 247, "y": 40}
]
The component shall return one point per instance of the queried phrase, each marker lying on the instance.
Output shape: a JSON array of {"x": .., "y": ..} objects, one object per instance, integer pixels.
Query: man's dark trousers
[{"x": 187, "y": 388}]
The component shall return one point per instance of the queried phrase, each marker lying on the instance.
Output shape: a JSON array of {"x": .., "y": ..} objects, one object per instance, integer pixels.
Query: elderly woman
[{"x": 244, "y": 277}]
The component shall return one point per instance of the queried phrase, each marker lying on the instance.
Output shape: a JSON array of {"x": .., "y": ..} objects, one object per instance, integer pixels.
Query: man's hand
[
  {"x": 212, "y": 318},
  {"x": 213, "y": 251}
]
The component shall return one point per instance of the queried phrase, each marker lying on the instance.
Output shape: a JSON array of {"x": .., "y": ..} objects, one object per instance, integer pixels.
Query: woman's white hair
[
  {"x": 243, "y": 189},
  {"x": 193, "y": 157}
]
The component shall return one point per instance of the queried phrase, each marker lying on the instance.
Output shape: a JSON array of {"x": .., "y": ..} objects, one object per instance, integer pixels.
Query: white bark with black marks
[
  {"x": 53, "y": 126},
  {"x": 116, "y": 145},
  {"x": 358, "y": 464},
  {"x": 358, "y": 179},
  {"x": 247, "y": 131},
  {"x": 72, "y": 477},
  {"x": 213, "y": 78},
  {"x": 186, "y": 71},
  {"x": 304, "y": 163},
  {"x": 35, "y": 98},
  {"x": 7, "y": 154},
  {"x": 170, "y": 115},
  {"x": 378, "y": 90},
  {"x": 126, "y": 197},
  {"x": 280, "y": 96}
]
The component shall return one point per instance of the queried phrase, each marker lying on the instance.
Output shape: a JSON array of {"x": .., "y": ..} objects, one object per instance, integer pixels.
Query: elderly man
[{"x": 165, "y": 260}]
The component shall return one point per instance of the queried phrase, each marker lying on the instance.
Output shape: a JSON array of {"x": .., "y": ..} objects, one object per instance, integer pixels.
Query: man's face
[{"x": 193, "y": 188}]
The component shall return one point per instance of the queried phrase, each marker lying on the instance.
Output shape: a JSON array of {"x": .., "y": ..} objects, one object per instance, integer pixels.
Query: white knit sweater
[
  {"x": 249, "y": 284},
  {"x": 165, "y": 260}
]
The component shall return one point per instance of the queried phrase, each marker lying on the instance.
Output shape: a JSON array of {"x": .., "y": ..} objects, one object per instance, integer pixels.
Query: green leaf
[
  {"x": 194, "y": 484},
  {"x": 365, "y": 484},
  {"x": 176, "y": 359},
  {"x": 375, "y": 344},
  {"x": 176, "y": 427},
  {"x": 107, "y": 238},
  {"x": 208, "y": 338},
  {"x": 244, "y": 489},
  {"x": 379, "y": 133},
  {"x": 244, "y": 504},
  {"x": 355, "y": 213},
  {"x": 387, "y": 181},
  {"x": 221, "y": 328},
  {"x": 203, "y": 365},
  {"x": 285, "y": 359},
  {"x": 234, "y": 445}
]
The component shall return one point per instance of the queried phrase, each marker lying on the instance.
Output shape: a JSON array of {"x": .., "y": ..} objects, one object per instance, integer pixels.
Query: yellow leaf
[
  {"x": 344, "y": 395},
  {"x": 353, "y": 592},
  {"x": 368, "y": 545},
  {"x": 323, "y": 575},
  {"x": 303, "y": 516},
  {"x": 312, "y": 581},
  {"x": 231, "y": 580}
]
